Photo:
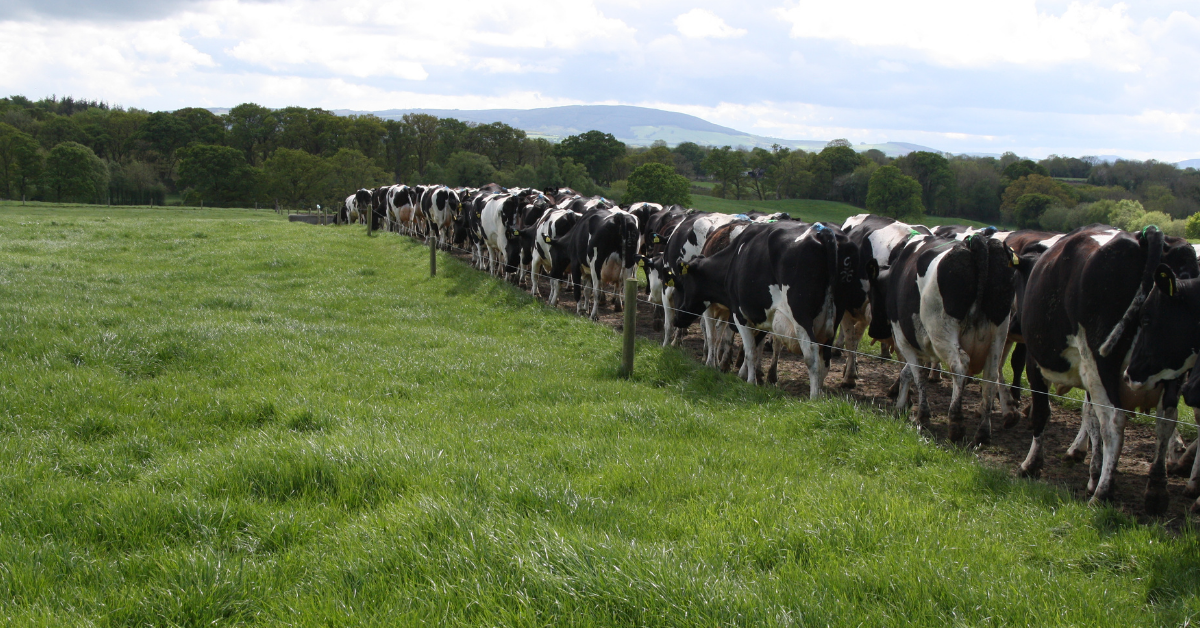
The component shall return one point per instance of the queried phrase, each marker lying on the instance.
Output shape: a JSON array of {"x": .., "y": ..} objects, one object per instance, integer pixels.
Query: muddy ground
[{"x": 1007, "y": 448}]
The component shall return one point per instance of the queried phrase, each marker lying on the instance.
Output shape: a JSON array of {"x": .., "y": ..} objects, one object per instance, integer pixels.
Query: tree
[
  {"x": 75, "y": 173},
  {"x": 657, "y": 183},
  {"x": 1036, "y": 184},
  {"x": 58, "y": 129},
  {"x": 252, "y": 129},
  {"x": 548, "y": 174},
  {"x": 425, "y": 137},
  {"x": 727, "y": 166},
  {"x": 166, "y": 134},
  {"x": 1028, "y": 210},
  {"x": 295, "y": 177},
  {"x": 694, "y": 154},
  {"x": 351, "y": 170},
  {"x": 840, "y": 158},
  {"x": 933, "y": 172},
  {"x": 9, "y": 147},
  {"x": 575, "y": 176},
  {"x": 465, "y": 168},
  {"x": 892, "y": 193},
  {"x": 219, "y": 174},
  {"x": 1025, "y": 167},
  {"x": 595, "y": 150}
]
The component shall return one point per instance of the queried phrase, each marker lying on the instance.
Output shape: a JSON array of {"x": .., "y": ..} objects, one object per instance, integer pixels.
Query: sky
[{"x": 1035, "y": 77}]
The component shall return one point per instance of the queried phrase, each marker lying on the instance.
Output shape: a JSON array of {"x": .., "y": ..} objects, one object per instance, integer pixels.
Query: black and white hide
[
  {"x": 952, "y": 301},
  {"x": 1083, "y": 300},
  {"x": 783, "y": 278},
  {"x": 602, "y": 247}
]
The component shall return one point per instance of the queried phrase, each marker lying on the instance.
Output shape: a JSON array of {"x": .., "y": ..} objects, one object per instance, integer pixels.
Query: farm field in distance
[
  {"x": 217, "y": 417},
  {"x": 807, "y": 209}
]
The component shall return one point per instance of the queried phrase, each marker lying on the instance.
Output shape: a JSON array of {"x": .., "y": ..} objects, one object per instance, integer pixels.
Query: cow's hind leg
[
  {"x": 749, "y": 343},
  {"x": 1039, "y": 415},
  {"x": 1157, "y": 499}
]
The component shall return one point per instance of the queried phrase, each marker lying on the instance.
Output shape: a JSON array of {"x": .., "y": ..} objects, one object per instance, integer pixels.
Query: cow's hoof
[
  {"x": 1011, "y": 418},
  {"x": 1192, "y": 489},
  {"x": 1100, "y": 499},
  {"x": 957, "y": 434},
  {"x": 1157, "y": 499},
  {"x": 1179, "y": 470},
  {"x": 848, "y": 385},
  {"x": 1032, "y": 471},
  {"x": 981, "y": 439},
  {"x": 1075, "y": 455},
  {"x": 894, "y": 391}
]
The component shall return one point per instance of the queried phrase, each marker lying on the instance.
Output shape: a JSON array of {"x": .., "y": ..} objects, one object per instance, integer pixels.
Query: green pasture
[
  {"x": 216, "y": 418},
  {"x": 805, "y": 209}
]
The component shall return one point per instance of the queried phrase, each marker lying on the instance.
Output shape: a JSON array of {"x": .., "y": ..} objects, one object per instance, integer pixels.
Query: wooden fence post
[{"x": 629, "y": 331}]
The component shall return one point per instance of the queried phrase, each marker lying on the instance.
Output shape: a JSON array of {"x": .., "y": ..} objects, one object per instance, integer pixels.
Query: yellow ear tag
[
  {"x": 671, "y": 283},
  {"x": 642, "y": 263},
  {"x": 683, "y": 269},
  {"x": 547, "y": 239},
  {"x": 1016, "y": 261}
]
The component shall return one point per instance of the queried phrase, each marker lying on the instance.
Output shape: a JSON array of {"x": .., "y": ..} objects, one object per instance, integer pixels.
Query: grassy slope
[
  {"x": 805, "y": 209},
  {"x": 222, "y": 417}
]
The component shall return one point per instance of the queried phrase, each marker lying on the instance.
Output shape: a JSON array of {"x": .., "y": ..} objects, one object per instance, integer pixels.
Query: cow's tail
[
  {"x": 829, "y": 240},
  {"x": 978, "y": 246},
  {"x": 1151, "y": 240}
]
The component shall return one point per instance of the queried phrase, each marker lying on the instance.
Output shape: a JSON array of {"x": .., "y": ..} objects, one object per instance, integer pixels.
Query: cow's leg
[
  {"x": 596, "y": 294},
  {"x": 748, "y": 345},
  {"x": 554, "y": 287},
  {"x": 1078, "y": 450},
  {"x": 727, "y": 348},
  {"x": 1184, "y": 455},
  {"x": 1014, "y": 392},
  {"x": 533, "y": 284},
  {"x": 1112, "y": 437},
  {"x": 668, "y": 315},
  {"x": 958, "y": 360},
  {"x": 1164, "y": 428},
  {"x": 920, "y": 378},
  {"x": 839, "y": 341},
  {"x": 1193, "y": 485},
  {"x": 711, "y": 330},
  {"x": 1039, "y": 415},
  {"x": 852, "y": 337},
  {"x": 817, "y": 368},
  {"x": 989, "y": 390},
  {"x": 773, "y": 372}
]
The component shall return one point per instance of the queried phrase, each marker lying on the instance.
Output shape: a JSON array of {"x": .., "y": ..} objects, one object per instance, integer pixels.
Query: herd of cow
[{"x": 1113, "y": 313}]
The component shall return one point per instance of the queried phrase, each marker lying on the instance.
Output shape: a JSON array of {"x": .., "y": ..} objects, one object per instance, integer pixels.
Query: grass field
[
  {"x": 219, "y": 418},
  {"x": 805, "y": 209}
]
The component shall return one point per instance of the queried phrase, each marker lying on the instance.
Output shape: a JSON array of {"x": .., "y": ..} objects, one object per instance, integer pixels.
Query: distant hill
[
  {"x": 1189, "y": 163},
  {"x": 637, "y": 126}
]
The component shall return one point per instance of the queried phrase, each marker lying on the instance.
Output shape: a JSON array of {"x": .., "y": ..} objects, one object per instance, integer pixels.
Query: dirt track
[{"x": 1007, "y": 448}]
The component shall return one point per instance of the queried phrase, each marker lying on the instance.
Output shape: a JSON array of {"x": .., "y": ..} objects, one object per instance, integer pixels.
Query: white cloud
[
  {"x": 701, "y": 23},
  {"x": 969, "y": 34}
]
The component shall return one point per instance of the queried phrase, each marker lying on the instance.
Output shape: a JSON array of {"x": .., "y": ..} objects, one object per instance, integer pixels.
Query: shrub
[
  {"x": 657, "y": 183},
  {"x": 1192, "y": 229},
  {"x": 1030, "y": 207}
]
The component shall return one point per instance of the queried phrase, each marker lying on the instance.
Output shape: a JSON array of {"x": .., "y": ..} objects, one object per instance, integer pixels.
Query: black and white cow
[
  {"x": 498, "y": 222},
  {"x": 1165, "y": 349},
  {"x": 789, "y": 279},
  {"x": 876, "y": 237},
  {"x": 603, "y": 246},
  {"x": 533, "y": 205},
  {"x": 551, "y": 227},
  {"x": 402, "y": 202},
  {"x": 1082, "y": 301},
  {"x": 950, "y": 301},
  {"x": 685, "y": 242},
  {"x": 440, "y": 205},
  {"x": 355, "y": 207}
]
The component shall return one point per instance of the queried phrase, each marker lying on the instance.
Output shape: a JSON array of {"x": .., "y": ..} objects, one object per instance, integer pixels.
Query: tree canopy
[
  {"x": 892, "y": 193},
  {"x": 657, "y": 183}
]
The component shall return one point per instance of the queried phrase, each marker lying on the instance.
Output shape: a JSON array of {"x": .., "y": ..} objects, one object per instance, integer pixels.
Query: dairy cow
[
  {"x": 439, "y": 206},
  {"x": 1082, "y": 302},
  {"x": 603, "y": 246},
  {"x": 686, "y": 242},
  {"x": 355, "y": 207},
  {"x": 551, "y": 227},
  {"x": 949, "y": 301},
  {"x": 790, "y": 279}
]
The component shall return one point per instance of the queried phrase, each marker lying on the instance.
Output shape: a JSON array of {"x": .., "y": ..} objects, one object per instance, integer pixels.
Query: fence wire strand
[{"x": 903, "y": 364}]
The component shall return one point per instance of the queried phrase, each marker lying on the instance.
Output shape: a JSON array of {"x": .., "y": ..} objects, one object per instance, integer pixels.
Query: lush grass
[
  {"x": 805, "y": 209},
  {"x": 212, "y": 418}
]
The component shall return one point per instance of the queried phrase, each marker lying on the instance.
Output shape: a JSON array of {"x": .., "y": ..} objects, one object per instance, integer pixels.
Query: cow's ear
[{"x": 1165, "y": 279}]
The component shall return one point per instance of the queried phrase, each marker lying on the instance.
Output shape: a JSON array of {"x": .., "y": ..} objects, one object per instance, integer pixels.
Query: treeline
[
  {"x": 86, "y": 151},
  {"x": 78, "y": 150},
  {"x": 975, "y": 188}
]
